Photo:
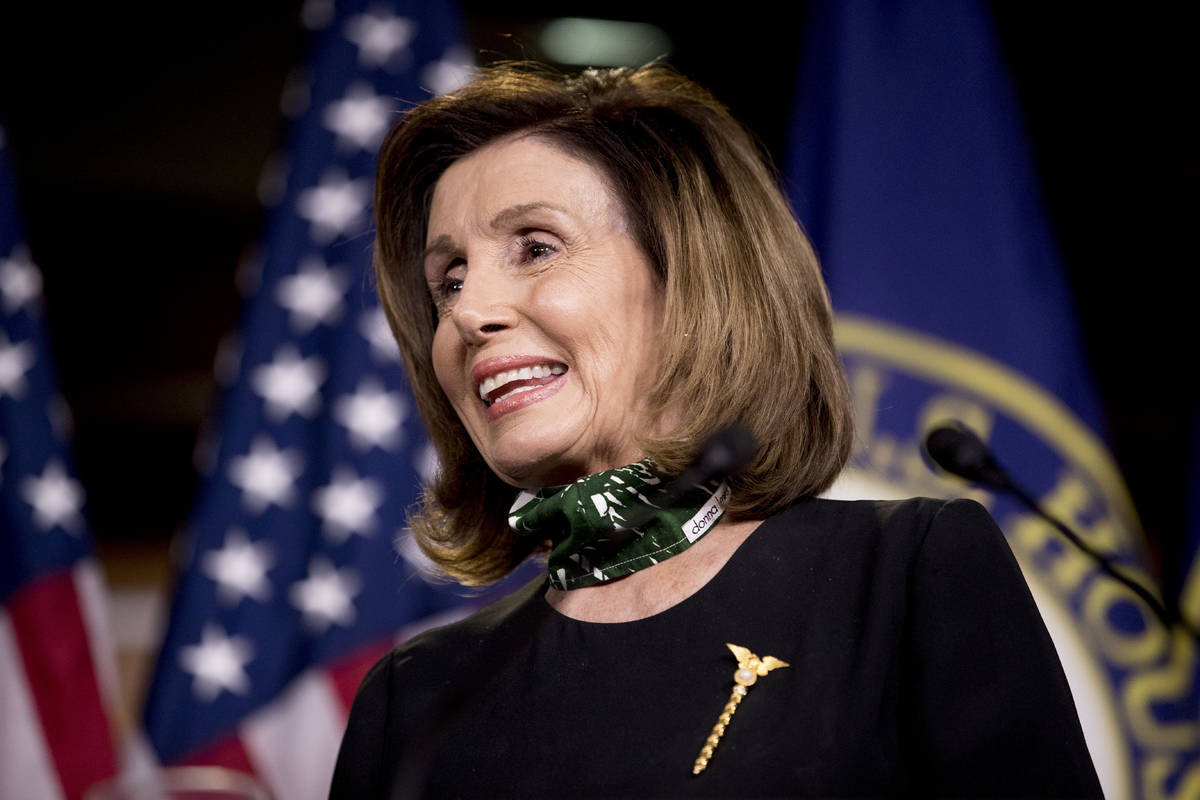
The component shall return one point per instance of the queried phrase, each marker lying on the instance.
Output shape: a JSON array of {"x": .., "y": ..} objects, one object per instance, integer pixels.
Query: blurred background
[{"x": 142, "y": 139}]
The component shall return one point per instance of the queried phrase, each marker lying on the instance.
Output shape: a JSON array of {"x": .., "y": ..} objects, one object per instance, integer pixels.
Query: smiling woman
[
  {"x": 632, "y": 198},
  {"x": 588, "y": 278}
]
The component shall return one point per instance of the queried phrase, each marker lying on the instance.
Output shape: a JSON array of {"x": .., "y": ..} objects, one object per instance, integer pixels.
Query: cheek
[
  {"x": 445, "y": 364},
  {"x": 584, "y": 324},
  {"x": 643, "y": 334}
]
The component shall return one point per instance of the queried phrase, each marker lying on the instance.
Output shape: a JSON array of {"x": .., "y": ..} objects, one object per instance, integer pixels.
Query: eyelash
[
  {"x": 448, "y": 286},
  {"x": 527, "y": 243}
]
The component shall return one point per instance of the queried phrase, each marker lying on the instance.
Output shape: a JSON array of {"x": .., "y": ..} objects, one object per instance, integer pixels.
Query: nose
[{"x": 485, "y": 305}]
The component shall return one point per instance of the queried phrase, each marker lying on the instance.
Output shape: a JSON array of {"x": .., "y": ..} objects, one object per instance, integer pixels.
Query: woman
[{"x": 589, "y": 277}]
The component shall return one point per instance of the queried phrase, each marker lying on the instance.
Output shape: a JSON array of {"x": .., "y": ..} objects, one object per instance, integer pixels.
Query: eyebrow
[
  {"x": 442, "y": 244},
  {"x": 445, "y": 245},
  {"x": 513, "y": 213}
]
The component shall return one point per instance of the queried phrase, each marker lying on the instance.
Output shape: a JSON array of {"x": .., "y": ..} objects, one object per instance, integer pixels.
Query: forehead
[{"x": 517, "y": 172}]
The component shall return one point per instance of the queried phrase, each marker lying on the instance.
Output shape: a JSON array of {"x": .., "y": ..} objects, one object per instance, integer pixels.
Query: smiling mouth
[{"x": 513, "y": 381}]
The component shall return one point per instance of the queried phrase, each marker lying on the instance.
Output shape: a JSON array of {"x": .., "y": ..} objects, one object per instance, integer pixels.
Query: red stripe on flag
[
  {"x": 348, "y": 673},
  {"x": 50, "y": 631},
  {"x": 227, "y": 752}
]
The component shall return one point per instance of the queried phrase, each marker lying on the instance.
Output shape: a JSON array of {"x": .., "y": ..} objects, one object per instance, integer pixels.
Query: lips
[
  {"x": 502, "y": 384},
  {"x": 505, "y": 383}
]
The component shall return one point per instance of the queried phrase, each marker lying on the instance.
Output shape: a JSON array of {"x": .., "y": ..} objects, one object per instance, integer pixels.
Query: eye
[
  {"x": 449, "y": 284},
  {"x": 533, "y": 250}
]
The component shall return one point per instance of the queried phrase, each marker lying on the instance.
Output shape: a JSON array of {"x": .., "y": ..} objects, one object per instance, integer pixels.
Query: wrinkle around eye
[
  {"x": 529, "y": 241},
  {"x": 442, "y": 292},
  {"x": 529, "y": 246}
]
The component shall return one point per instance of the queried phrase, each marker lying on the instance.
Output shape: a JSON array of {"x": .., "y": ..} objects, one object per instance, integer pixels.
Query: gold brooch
[{"x": 750, "y": 669}]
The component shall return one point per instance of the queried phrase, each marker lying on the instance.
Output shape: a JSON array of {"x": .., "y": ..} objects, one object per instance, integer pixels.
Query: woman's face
[{"x": 549, "y": 315}]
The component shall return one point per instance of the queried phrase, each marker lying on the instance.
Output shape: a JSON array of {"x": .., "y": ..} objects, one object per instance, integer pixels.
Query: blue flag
[
  {"x": 297, "y": 574},
  {"x": 911, "y": 172}
]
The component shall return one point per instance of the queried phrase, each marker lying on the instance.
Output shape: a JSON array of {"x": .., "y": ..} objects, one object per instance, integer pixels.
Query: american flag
[
  {"x": 57, "y": 673},
  {"x": 297, "y": 574}
]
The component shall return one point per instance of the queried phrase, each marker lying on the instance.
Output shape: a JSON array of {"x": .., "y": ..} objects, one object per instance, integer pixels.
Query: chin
[
  {"x": 530, "y": 456},
  {"x": 532, "y": 465},
  {"x": 556, "y": 469},
  {"x": 524, "y": 474},
  {"x": 542, "y": 451}
]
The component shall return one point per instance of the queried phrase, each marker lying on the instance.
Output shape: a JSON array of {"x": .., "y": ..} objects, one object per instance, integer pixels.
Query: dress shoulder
[
  {"x": 358, "y": 772},
  {"x": 984, "y": 705},
  {"x": 912, "y": 516},
  {"x": 989, "y": 704},
  {"x": 891, "y": 531},
  {"x": 410, "y": 685}
]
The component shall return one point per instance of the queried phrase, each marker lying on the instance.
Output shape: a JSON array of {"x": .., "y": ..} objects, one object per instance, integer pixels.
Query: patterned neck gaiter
[{"x": 607, "y": 525}]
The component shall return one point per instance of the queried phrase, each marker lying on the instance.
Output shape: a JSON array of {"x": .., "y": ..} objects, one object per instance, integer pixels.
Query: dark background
[{"x": 139, "y": 135}]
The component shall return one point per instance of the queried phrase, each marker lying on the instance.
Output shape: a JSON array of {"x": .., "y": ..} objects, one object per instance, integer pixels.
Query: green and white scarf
[{"x": 585, "y": 523}]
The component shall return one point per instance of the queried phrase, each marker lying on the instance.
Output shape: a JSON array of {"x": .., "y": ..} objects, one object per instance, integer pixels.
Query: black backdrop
[{"x": 139, "y": 135}]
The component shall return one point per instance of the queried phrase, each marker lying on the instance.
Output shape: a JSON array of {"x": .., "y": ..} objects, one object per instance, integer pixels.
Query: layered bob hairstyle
[{"x": 747, "y": 331}]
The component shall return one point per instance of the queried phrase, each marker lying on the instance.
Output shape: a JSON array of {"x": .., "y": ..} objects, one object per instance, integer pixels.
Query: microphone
[
  {"x": 958, "y": 450},
  {"x": 727, "y": 452}
]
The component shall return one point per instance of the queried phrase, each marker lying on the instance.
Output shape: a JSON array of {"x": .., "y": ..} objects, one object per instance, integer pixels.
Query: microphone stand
[{"x": 959, "y": 451}]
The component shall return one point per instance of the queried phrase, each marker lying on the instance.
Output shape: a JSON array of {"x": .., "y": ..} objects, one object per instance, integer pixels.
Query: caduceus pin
[{"x": 750, "y": 669}]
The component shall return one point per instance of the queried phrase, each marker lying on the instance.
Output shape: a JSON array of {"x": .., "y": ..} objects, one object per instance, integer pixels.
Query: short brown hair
[{"x": 747, "y": 332}]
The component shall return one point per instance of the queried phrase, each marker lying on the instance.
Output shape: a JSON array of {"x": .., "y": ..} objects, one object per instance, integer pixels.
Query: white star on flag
[
  {"x": 15, "y": 361},
  {"x": 56, "y": 498},
  {"x": 347, "y": 504},
  {"x": 266, "y": 475},
  {"x": 217, "y": 663},
  {"x": 374, "y": 328},
  {"x": 359, "y": 118},
  {"x": 20, "y": 281},
  {"x": 325, "y": 596},
  {"x": 313, "y": 295},
  {"x": 289, "y": 384},
  {"x": 334, "y": 207},
  {"x": 240, "y": 568},
  {"x": 372, "y": 416},
  {"x": 380, "y": 36},
  {"x": 449, "y": 72}
]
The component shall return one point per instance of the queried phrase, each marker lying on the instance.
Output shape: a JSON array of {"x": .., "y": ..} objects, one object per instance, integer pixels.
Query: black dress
[{"x": 919, "y": 666}]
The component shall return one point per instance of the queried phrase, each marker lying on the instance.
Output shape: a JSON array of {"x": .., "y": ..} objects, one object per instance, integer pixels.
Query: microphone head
[
  {"x": 727, "y": 452},
  {"x": 955, "y": 448}
]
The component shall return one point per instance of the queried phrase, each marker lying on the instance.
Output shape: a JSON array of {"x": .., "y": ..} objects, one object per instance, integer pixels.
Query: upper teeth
[{"x": 521, "y": 374}]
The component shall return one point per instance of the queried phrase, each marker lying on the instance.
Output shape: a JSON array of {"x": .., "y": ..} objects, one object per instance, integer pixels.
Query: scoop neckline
[{"x": 708, "y": 587}]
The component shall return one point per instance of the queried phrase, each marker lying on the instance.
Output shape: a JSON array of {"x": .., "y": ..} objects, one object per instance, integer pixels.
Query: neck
[{"x": 655, "y": 589}]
